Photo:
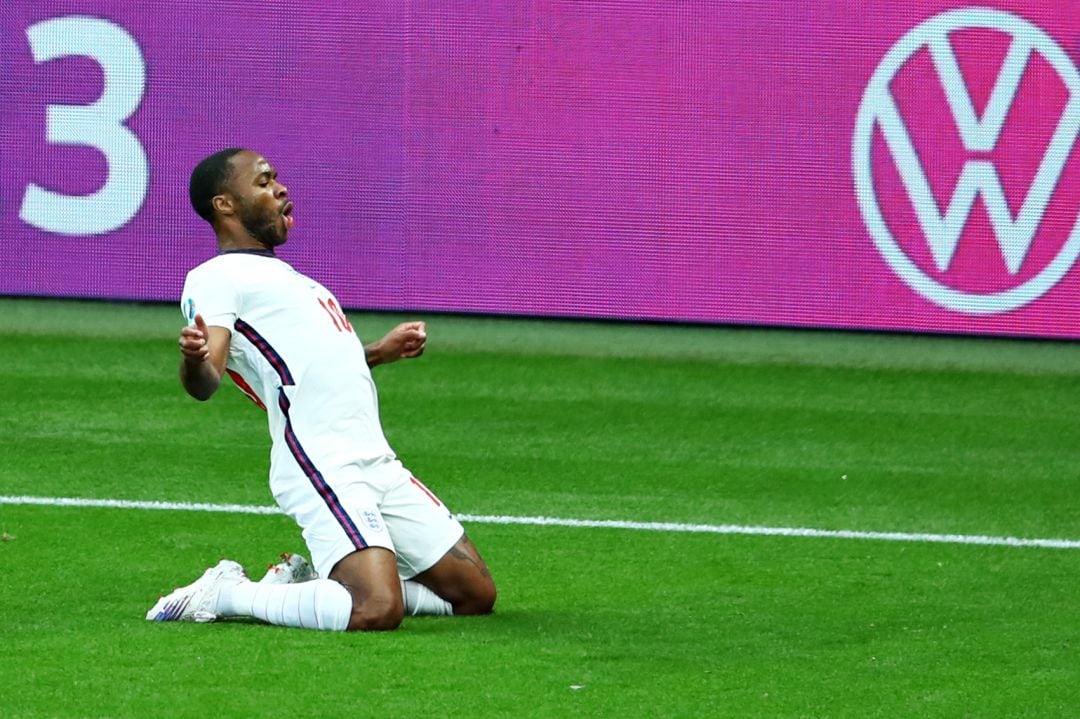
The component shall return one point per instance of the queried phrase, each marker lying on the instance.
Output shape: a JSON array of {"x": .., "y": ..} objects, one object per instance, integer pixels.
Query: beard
[{"x": 265, "y": 228}]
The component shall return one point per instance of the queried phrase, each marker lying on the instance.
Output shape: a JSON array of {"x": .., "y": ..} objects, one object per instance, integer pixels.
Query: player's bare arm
[
  {"x": 405, "y": 341},
  {"x": 206, "y": 351}
]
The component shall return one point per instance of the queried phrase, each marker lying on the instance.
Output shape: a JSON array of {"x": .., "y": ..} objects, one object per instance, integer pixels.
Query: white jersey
[{"x": 295, "y": 354}]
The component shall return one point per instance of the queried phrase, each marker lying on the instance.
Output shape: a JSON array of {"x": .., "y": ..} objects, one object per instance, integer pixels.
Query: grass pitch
[{"x": 573, "y": 420}]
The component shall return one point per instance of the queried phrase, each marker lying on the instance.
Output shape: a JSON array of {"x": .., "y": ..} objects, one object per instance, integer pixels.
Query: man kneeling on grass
[{"x": 382, "y": 544}]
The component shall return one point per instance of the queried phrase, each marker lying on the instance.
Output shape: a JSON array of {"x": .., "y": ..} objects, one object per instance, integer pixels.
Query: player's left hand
[{"x": 405, "y": 341}]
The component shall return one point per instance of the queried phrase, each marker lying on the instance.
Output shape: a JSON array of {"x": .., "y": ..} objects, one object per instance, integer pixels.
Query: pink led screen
[{"x": 880, "y": 165}]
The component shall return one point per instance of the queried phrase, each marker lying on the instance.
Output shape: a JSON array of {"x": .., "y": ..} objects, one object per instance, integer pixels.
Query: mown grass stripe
[{"x": 736, "y": 529}]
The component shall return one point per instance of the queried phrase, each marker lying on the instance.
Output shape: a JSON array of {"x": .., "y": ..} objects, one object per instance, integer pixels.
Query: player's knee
[{"x": 376, "y": 615}]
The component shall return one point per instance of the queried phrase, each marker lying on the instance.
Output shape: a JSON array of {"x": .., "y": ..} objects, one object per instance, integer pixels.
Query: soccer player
[{"x": 383, "y": 545}]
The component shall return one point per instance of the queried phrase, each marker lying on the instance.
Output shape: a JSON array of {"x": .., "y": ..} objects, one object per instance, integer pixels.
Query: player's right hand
[{"x": 193, "y": 341}]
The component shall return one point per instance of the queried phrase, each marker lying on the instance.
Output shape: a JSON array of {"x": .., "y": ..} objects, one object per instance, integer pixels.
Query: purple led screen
[{"x": 878, "y": 165}]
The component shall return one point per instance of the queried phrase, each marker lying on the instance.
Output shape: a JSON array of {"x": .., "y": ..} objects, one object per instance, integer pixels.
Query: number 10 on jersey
[{"x": 341, "y": 322}]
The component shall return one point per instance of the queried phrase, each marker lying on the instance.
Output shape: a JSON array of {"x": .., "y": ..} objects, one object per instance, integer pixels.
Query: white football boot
[
  {"x": 292, "y": 569},
  {"x": 197, "y": 602}
]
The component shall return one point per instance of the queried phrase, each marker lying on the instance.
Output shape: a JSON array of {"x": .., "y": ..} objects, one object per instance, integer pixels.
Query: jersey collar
[{"x": 260, "y": 252}]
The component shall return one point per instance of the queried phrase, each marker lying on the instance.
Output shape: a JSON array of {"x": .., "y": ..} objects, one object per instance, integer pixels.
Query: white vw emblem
[{"x": 979, "y": 177}]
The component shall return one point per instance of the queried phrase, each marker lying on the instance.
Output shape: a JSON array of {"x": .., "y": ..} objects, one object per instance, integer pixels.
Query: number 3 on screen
[{"x": 98, "y": 125}]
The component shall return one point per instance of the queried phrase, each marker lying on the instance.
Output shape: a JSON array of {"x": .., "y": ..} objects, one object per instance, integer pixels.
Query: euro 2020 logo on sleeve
[{"x": 932, "y": 250}]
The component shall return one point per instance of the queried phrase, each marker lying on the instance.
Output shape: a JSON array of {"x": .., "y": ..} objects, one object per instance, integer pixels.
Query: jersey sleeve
[{"x": 210, "y": 292}]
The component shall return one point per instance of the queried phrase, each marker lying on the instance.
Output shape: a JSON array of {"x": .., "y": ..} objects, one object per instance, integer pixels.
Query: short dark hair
[{"x": 208, "y": 179}]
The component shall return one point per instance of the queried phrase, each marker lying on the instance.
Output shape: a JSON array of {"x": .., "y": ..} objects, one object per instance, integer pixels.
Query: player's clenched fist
[
  {"x": 404, "y": 341},
  {"x": 193, "y": 344},
  {"x": 413, "y": 338}
]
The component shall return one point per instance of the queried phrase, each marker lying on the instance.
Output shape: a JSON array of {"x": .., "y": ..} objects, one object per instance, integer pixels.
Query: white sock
[
  {"x": 421, "y": 600},
  {"x": 318, "y": 604}
]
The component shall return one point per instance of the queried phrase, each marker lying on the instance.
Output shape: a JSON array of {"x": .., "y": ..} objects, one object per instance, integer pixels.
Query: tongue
[{"x": 288, "y": 221}]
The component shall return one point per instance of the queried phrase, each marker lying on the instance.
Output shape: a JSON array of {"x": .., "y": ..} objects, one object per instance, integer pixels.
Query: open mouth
[{"x": 286, "y": 214}]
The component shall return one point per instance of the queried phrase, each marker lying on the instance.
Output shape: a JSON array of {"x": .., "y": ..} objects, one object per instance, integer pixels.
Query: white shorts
[{"x": 350, "y": 508}]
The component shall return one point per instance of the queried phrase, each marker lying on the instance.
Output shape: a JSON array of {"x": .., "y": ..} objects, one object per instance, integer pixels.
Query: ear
[{"x": 223, "y": 204}]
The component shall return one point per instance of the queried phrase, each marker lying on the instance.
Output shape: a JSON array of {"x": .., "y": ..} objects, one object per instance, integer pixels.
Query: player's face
[{"x": 262, "y": 203}]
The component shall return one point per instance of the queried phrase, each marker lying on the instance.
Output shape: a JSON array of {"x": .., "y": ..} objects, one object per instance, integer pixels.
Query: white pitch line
[
  {"x": 583, "y": 523},
  {"x": 139, "y": 504}
]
